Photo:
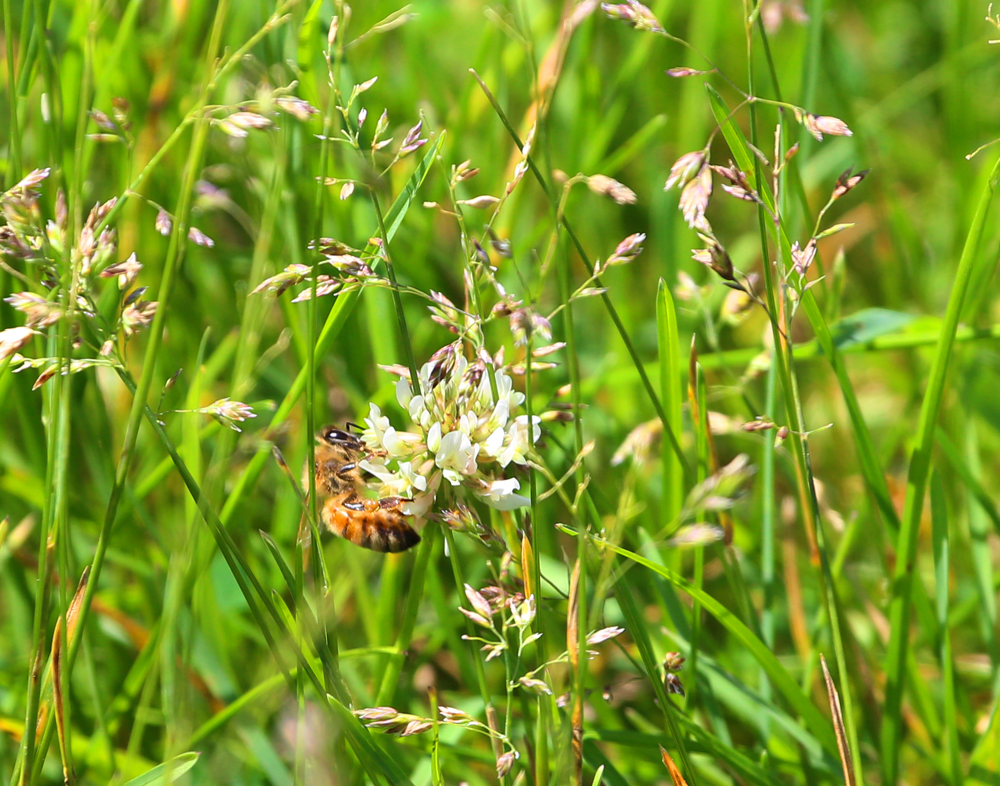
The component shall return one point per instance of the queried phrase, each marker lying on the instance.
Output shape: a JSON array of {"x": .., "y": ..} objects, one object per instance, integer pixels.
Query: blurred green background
[{"x": 916, "y": 82}]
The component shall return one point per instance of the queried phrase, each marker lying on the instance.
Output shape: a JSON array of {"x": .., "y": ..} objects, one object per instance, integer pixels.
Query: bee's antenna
[{"x": 349, "y": 425}]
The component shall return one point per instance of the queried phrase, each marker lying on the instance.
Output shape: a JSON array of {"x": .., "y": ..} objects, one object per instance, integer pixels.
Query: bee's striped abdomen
[{"x": 366, "y": 523}]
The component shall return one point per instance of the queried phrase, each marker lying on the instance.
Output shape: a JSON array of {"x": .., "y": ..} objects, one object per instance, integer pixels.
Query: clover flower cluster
[{"x": 462, "y": 432}]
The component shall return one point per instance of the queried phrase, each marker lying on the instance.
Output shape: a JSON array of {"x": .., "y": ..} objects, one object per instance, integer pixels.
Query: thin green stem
[
  {"x": 404, "y": 334},
  {"x": 553, "y": 197},
  {"x": 14, "y": 166}
]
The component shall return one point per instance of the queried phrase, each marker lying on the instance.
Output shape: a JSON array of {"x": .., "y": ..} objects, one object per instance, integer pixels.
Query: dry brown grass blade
[
  {"x": 72, "y": 618},
  {"x": 573, "y": 648},
  {"x": 793, "y": 584},
  {"x": 675, "y": 773},
  {"x": 58, "y": 702},
  {"x": 572, "y": 617},
  {"x": 838, "y": 726},
  {"x": 527, "y": 563},
  {"x": 550, "y": 68},
  {"x": 73, "y": 612}
]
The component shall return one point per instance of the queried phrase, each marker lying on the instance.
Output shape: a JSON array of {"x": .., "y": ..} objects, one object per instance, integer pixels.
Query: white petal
[
  {"x": 434, "y": 438},
  {"x": 508, "y": 453},
  {"x": 380, "y": 471},
  {"x": 500, "y": 413},
  {"x": 510, "y": 502},
  {"x": 392, "y": 443},
  {"x": 403, "y": 393},
  {"x": 419, "y": 506},
  {"x": 503, "y": 487},
  {"x": 494, "y": 442},
  {"x": 451, "y": 446}
]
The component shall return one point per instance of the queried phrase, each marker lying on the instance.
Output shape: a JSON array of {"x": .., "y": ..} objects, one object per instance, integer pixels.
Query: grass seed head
[
  {"x": 685, "y": 168},
  {"x": 817, "y": 125},
  {"x": 635, "y": 14},
  {"x": 715, "y": 257},
  {"x": 138, "y": 316},
  {"x": 802, "y": 258},
  {"x": 609, "y": 187},
  {"x": 13, "y": 339},
  {"x": 695, "y": 196}
]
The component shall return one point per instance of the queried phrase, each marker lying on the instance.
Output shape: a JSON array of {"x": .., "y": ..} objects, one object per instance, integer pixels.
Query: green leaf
[
  {"x": 867, "y": 324},
  {"x": 670, "y": 395},
  {"x": 286, "y": 572},
  {"x": 167, "y": 772}
]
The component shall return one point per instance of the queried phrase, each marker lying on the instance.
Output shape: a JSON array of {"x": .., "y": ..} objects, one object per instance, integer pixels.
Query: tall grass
[{"x": 680, "y": 589}]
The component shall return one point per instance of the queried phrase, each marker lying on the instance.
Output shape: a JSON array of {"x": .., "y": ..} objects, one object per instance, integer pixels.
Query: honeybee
[{"x": 376, "y": 524}]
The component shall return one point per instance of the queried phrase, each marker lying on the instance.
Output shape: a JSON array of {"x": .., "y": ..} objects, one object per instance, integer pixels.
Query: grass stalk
[
  {"x": 784, "y": 358},
  {"x": 13, "y": 173},
  {"x": 154, "y": 341},
  {"x": 585, "y": 259}
]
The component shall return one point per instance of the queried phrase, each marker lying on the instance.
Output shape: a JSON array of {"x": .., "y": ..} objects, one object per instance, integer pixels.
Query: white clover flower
[
  {"x": 404, "y": 393},
  {"x": 457, "y": 456},
  {"x": 377, "y": 425},
  {"x": 460, "y": 432},
  {"x": 500, "y": 495},
  {"x": 517, "y": 443}
]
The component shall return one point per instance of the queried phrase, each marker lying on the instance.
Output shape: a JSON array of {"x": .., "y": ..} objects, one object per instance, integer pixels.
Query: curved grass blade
[
  {"x": 670, "y": 395},
  {"x": 920, "y": 463},
  {"x": 635, "y": 624},
  {"x": 779, "y": 676},
  {"x": 168, "y": 772}
]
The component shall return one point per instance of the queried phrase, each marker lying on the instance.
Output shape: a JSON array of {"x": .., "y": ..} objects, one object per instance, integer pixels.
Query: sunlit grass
[{"x": 726, "y": 504}]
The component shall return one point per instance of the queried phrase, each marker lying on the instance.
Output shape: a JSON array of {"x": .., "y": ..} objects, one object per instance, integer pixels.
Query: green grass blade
[
  {"x": 286, "y": 572},
  {"x": 168, "y": 772},
  {"x": 899, "y": 610},
  {"x": 939, "y": 536},
  {"x": 671, "y": 396},
  {"x": 364, "y": 745},
  {"x": 781, "y": 679},
  {"x": 415, "y": 594},
  {"x": 637, "y": 629}
]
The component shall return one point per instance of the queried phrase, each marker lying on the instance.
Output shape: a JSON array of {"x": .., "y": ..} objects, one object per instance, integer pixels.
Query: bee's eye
[{"x": 335, "y": 436}]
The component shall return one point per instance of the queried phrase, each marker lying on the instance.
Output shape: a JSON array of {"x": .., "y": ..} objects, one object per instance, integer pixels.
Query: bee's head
[{"x": 332, "y": 435}]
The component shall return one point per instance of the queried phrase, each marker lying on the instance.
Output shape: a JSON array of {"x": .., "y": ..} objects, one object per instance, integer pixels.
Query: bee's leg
[
  {"x": 354, "y": 503},
  {"x": 391, "y": 502},
  {"x": 346, "y": 469}
]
